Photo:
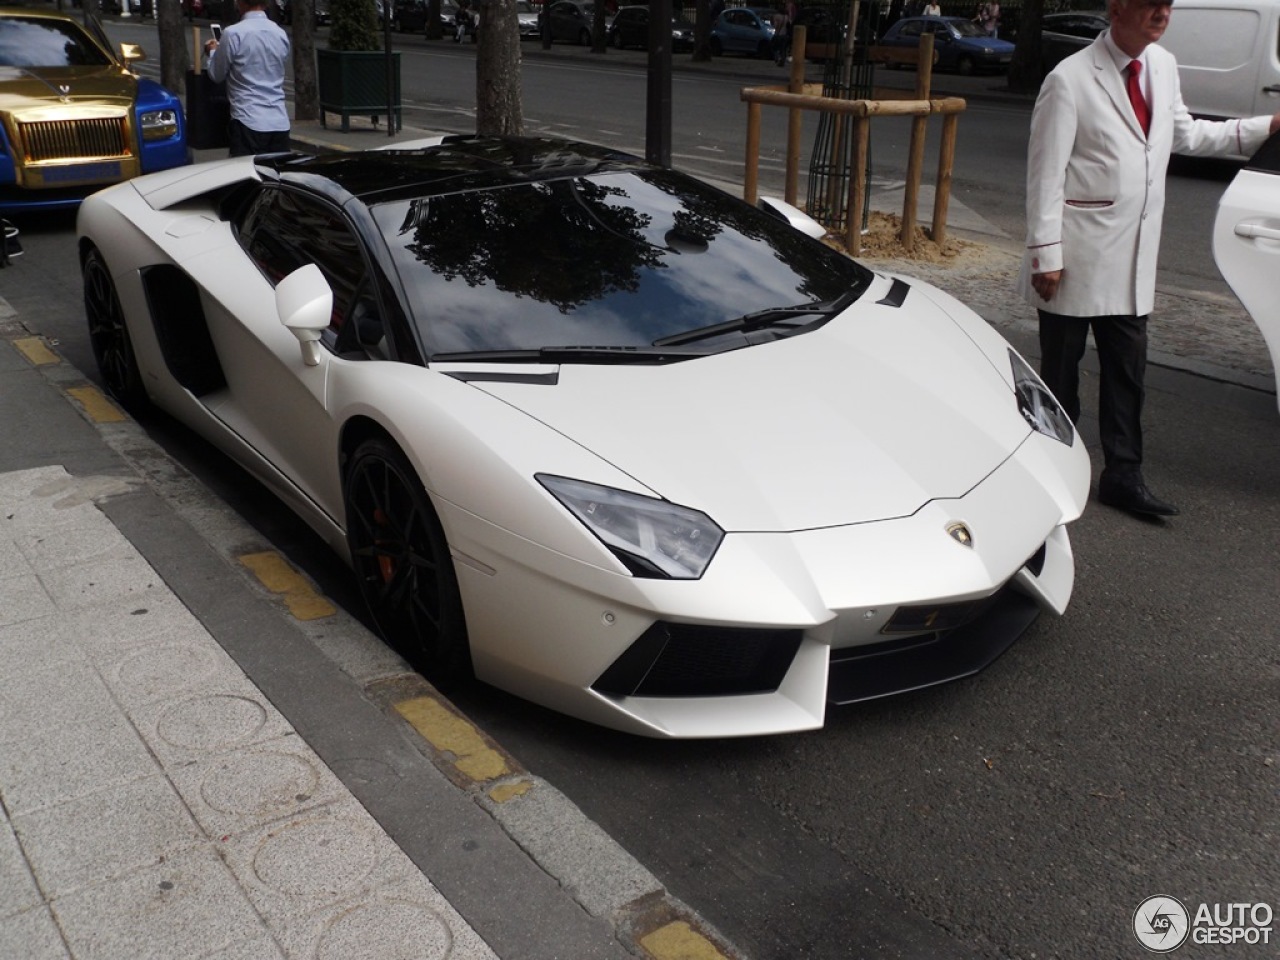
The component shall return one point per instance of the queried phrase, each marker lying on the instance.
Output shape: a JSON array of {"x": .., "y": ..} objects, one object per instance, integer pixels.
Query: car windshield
[
  {"x": 620, "y": 259},
  {"x": 966, "y": 28},
  {"x": 43, "y": 42}
]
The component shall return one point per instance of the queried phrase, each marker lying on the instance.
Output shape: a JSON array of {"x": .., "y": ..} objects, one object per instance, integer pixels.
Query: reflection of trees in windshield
[
  {"x": 54, "y": 43},
  {"x": 558, "y": 242},
  {"x": 706, "y": 213}
]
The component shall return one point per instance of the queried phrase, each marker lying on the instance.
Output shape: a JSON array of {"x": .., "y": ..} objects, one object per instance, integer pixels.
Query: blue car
[
  {"x": 961, "y": 45},
  {"x": 73, "y": 116},
  {"x": 743, "y": 30}
]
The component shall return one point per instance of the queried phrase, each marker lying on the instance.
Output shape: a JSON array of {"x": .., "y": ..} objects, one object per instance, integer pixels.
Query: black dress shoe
[{"x": 1134, "y": 497}]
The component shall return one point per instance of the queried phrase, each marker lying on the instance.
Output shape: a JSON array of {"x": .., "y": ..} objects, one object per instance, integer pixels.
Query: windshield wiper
[
  {"x": 568, "y": 354},
  {"x": 755, "y": 320}
]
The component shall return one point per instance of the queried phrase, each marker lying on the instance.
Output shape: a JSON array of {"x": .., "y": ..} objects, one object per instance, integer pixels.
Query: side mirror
[
  {"x": 304, "y": 302},
  {"x": 132, "y": 52},
  {"x": 796, "y": 217}
]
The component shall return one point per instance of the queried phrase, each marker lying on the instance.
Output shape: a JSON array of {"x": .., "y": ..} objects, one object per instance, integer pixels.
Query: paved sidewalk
[
  {"x": 155, "y": 803},
  {"x": 201, "y": 757}
]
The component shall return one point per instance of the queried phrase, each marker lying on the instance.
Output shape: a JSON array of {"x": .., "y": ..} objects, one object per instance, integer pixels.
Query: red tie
[{"x": 1137, "y": 97}]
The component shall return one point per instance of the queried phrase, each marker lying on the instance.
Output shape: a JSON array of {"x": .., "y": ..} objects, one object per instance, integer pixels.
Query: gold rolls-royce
[{"x": 73, "y": 116}]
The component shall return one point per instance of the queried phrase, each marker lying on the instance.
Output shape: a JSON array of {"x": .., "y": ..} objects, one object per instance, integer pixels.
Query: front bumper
[{"x": 581, "y": 640}]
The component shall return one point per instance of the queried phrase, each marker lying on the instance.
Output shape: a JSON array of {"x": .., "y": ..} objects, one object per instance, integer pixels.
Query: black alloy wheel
[
  {"x": 109, "y": 336},
  {"x": 584, "y": 38},
  {"x": 403, "y": 564}
]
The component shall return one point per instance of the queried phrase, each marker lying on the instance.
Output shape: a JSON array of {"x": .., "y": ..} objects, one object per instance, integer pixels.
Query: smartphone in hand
[{"x": 217, "y": 31}]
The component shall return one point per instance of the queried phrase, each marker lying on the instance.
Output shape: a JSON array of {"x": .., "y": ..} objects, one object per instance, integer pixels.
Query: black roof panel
[{"x": 458, "y": 164}]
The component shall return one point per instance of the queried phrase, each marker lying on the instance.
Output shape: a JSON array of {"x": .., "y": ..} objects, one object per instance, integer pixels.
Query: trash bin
[{"x": 208, "y": 113}]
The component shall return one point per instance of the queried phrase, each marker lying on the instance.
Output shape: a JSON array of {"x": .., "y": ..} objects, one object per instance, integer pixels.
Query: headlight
[
  {"x": 653, "y": 538},
  {"x": 1038, "y": 405},
  {"x": 159, "y": 124}
]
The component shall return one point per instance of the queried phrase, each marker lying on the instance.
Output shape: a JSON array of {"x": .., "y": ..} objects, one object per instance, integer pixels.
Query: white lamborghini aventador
[{"x": 607, "y": 437}]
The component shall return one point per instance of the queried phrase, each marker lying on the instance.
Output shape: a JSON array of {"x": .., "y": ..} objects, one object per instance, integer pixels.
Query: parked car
[
  {"x": 960, "y": 44},
  {"x": 712, "y": 478},
  {"x": 572, "y": 21},
  {"x": 1228, "y": 56},
  {"x": 409, "y": 16},
  {"x": 450, "y": 11},
  {"x": 527, "y": 18},
  {"x": 1062, "y": 34},
  {"x": 630, "y": 28},
  {"x": 1246, "y": 241},
  {"x": 320, "y": 12},
  {"x": 73, "y": 116},
  {"x": 743, "y": 30}
]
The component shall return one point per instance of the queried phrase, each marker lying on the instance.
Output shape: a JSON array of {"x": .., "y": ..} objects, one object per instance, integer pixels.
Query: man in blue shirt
[{"x": 251, "y": 61}]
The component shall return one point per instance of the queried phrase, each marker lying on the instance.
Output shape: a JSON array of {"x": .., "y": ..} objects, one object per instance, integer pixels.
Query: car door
[
  {"x": 1246, "y": 241},
  {"x": 275, "y": 402},
  {"x": 742, "y": 31}
]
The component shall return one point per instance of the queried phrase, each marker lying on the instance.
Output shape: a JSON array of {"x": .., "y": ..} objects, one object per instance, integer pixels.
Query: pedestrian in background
[
  {"x": 989, "y": 18},
  {"x": 931, "y": 9},
  {"x": 250, "y": 59},
  {"x": 1105, "y": 123}
]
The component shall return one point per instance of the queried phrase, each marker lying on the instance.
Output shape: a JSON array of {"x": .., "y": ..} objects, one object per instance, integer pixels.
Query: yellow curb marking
[
  {"x": 36, "y": 351},
  {"x": 96, "y": 406},
  {"x": 274, "y": 573},
  {"x": 509, "y": 791},
  {"x": 679, "y": 941},
  {"x": 446, "y": 731}
]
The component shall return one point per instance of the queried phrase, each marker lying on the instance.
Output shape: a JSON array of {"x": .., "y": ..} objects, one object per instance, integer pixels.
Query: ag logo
[{"x": 1161, "y": 924}]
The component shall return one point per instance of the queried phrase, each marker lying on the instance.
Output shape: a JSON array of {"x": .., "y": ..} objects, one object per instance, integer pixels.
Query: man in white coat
[{"x": 1101, "y": 137}]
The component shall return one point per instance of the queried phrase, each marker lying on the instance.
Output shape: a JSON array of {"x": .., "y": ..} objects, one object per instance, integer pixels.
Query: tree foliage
[{"x": 353, "y": 25}]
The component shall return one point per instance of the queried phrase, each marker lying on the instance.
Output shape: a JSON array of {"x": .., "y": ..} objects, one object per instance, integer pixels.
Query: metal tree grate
[{"x": 849, "y": 76}]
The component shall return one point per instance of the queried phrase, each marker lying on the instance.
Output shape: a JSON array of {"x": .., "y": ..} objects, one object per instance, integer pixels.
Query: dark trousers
[
  {"x": 247, "y": 143},
  {"x": 1122, "y": 357}
]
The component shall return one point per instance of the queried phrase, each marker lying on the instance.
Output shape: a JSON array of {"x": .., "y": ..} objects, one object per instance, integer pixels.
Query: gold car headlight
[{"x": 159, "y": 124}]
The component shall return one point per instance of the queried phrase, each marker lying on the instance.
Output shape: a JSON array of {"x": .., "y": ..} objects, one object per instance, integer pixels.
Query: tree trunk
[
  {"x": 498, "y": 93},
  {"x": 1024, "y": 69},
  {"x": 174, "y": 41},
  {"x": 702, "y": 31},
  {"x": 306, "y": 91},
  {"x": 433, "y": 30},
  {"x": 598, "y": 42}
]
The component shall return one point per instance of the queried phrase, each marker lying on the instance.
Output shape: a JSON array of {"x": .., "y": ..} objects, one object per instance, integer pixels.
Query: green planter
[{"x": 354, "y": 83}]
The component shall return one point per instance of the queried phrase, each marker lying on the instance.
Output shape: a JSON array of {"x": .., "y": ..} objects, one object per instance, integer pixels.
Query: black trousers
[
  {"x": 1122, "y": 356},
  {"x": 247, "y": 143}
]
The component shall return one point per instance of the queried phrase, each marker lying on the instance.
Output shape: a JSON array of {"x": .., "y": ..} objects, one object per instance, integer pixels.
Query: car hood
[
  {"x": 876, "y": 413},
  {"x": 32, "y": 88}
]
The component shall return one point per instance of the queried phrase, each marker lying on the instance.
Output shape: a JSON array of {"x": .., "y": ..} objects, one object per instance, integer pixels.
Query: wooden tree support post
[
  {"x": 795, "y": 117},
  {"x": 859, "y": 113},
  {"x": 858, "y": 186},
  {"x": 751, "y": 175},
  {"x": 946, "y": 162},
  {"x": 915, "y": 156}
]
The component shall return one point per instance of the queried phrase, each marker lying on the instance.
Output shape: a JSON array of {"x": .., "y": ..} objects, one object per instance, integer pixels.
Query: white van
[{"x": 1228, "y": 56}]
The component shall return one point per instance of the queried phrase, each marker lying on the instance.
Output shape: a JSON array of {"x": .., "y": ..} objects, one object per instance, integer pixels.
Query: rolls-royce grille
[{"x": 75, "y": 139}]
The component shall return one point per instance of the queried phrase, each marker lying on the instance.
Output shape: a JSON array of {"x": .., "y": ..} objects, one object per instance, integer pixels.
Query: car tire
[
  {"x": 584, "y": 38},
  {"x": 403, "y": 564},
  {"x": 966, "y": 66},
  {"x": 765, "y": 50},
  {"x": 617, "y": 41},
  {"x": 715, "y": 46},
  {"x": 109, "y": 335}
]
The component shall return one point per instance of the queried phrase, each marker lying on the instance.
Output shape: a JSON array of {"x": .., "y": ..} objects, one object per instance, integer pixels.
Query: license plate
[{"x": 82, "y": 173}]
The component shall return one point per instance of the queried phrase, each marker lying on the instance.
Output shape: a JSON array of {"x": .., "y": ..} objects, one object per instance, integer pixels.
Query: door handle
[
  {"x": 1273, "y": 88},
  {"x": 1256, "y": 231}
]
